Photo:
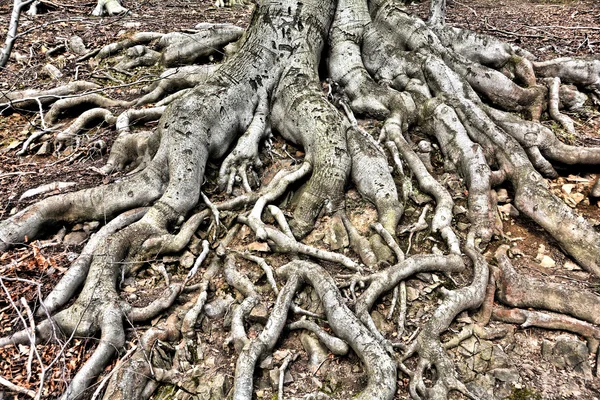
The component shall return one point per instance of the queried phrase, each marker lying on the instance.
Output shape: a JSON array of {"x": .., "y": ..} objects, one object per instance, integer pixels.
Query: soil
[{"x": 548, "y": 29}]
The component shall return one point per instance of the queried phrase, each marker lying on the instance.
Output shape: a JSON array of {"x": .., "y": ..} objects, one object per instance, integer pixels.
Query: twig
[
  {"x": 15, "y": 388},
  {"x": 11, "y": 36}
]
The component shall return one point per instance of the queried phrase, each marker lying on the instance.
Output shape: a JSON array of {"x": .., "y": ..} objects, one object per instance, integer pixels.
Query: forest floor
[{"x": 548, "y": 29}]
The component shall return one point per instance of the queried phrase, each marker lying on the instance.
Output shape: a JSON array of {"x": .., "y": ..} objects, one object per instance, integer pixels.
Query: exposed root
[
  {"x": 135, "y": 39},
  {"x": 265, "y": 342},
  {"x": 428, "y": 345},
  {"x": 28, "y": 99},
  {"x": 76, "y": 275},
  {"x": 516, "y": 291},
  {"x": 547, "y": 320},
  {"x": 335, "y": 345},
  {"x": 565, "y": 121},
  {"x": 85, "y": 101},
  {"x": 381, "y": 370},
  {"x": 175, "y": 80},
  {"x": 86, "y": 120},
  {"x": 389, "y": 278},
  {"x": 109, "y": 7}
]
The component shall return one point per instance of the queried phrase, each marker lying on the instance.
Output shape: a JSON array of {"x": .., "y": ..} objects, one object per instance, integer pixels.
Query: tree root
[
  {"x": 28, "y": 99},
  {"x": 109, "y": 7},
  {"x": 381, "y": 370},
  {"x": 85, "y": 101},
  {"x": 546, "y": 320},
  {"x": 428, "y": 345},
  {"x": 517, "y": 291}
]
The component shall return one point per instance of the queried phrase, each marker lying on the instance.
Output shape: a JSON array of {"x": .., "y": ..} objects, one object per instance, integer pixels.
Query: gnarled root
[
  {"x": 381, "y": 370},
  {"x": 428, "y": 345},
  {"x": 516, "y": 291}
]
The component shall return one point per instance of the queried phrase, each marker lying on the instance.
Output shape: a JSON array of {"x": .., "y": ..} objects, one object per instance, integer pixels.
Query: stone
[
  {"x": 52, "y": 71},
  {"x": 259, "y": 246},
  {"x": 572, "y": 353},
  {"x": 482, "y": 386},
  {"x": 45, "y": 149},
  {"x": 187, "y": 259},
  {"x": 382, "y": 323},
  {"x": 463, "y": 226},
  {"x": 317, "y": 353},
  {"x": 479, "y": 364},
  {"x": 267, "y": 363},
  {"x": 411, "y": 293},
  {"x": 571, "y": 266},
  {"x": 218, "y": 387},
  {"x": 510, "y": 375},
  {"x": 77, "y": 46},
  {"x": 547, "y": 262},
  {"x": 259, "y": 314},
  {"x": 485, "y": 350},
  {"x": 470, "y": 345},
  {"x": 74, "y": 238},
  {"x": 499, "y": 358}
]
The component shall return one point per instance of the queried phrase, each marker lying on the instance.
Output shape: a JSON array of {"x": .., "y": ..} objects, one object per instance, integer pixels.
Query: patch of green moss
[{"x": 524, "y": 394}]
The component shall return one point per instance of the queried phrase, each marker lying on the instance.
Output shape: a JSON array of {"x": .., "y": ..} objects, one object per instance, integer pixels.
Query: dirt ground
[{"x": 548, "y": 29}]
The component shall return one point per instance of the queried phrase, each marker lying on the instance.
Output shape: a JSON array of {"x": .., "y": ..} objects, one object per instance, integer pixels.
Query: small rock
[
  {"x": 462, "y": 226},
  {"x": 267, "y": 363},
  {"x": 317, "y": 353},
  {"x": 77, "y": 227},
  {"x": 457, "y": 210},
  {"x": 482, "y": 387},
  {"x": 571, "y": 266},
  {"x": 74, "y": 238},
  {"x": 499, "y": 358},
  {"x": 502, "y": 196},
  {"x": 77, "y": 46},
  {"x": 45, "y": 149},
  {"x": 547, "y": 347},
  {"x": 411, "y": 293},
  {"x": 381, "y": 323},
  {"x": 568, "y": 188},
  {"x": 259, "y": 246},
  {"x": 470, "y": 345},
  {"x": 279, "y": 355},
  {"x": 210, "y": 362},
  {"x": 218, "y": 387},
  {"x": 187, "y": 260},
  {"x": 571, "y": 353},
  {"x": 259, "y": 314},
  {"x": 547, "y": 262},
  {"x": 52, "y": 71},
  {"x": 510, "y": 375}
]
